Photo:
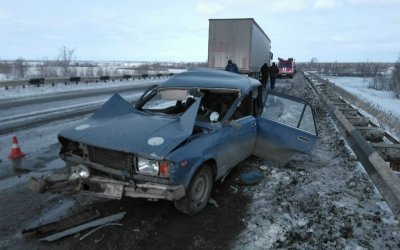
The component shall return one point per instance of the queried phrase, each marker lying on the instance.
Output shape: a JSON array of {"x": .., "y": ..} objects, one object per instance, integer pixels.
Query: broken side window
[
  {"x": 245, "y": 108},
  {"x": 215, "y": 101}
]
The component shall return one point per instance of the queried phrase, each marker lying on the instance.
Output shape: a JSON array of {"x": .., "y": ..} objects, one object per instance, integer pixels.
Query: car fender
[
  {"x": 189, "y": 157},
  {"x": 187, "y": 168},
  {"x": 196, "y": 166}
]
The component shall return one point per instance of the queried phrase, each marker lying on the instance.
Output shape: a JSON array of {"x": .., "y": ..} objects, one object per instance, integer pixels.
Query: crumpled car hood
[{"x": 117, "y": 125}]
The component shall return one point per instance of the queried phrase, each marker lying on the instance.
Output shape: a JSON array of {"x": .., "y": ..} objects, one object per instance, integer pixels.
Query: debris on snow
[
  {"x": 234, "y": 189},
  {"x": 213, "y": 202},
  {"x": 352, "y": 184},
  {"x": 98, "y": 228},
  {"x": 251, "y": 178},
  {"x": 77, "y": 229},
  {"x": 65, "y": 223},
  {"x": 49, "y": 183}
]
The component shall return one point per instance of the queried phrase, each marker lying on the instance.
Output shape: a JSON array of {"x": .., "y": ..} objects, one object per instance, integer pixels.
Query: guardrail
[
  {"x": 377, "y": 168},
  {"x": 77, "y": 79}
]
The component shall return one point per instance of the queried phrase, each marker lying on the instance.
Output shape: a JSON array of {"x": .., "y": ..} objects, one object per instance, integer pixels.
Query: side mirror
[{"x": 214, "y": 116}]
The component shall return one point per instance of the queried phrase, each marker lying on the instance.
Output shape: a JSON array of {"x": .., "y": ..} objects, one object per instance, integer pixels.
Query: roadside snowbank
[
  {"x": 324, "y": 200},
  {"x": 359, "y": 86}
]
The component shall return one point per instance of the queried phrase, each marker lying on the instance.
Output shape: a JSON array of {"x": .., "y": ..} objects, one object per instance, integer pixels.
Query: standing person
[
  {"x": 273, "y": 72},
  {"x": 232, "y": 67},
  {"x": 264, "y": 75}
]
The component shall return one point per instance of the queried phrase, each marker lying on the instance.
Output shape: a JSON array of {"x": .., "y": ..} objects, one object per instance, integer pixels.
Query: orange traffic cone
[{"x": 15, "y": 150}]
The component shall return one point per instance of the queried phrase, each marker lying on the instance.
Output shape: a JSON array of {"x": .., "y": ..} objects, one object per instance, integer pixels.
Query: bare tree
[
  {"x": 64, "y": 60},
  {"x": 43, "y": 69},
  {"x": 89, "y": 71},
  {"x": 73, "y": 71},
  {"x": 313, "y": 63},
  {"x": 19, "y": 68},
  {"x": 395, "y": 79},
  {"x": 100, "y": 71},
  {"x": 6, "y": 69},
  {"x": 142, "y": 68},
  {"x": 115, "y": 72}
]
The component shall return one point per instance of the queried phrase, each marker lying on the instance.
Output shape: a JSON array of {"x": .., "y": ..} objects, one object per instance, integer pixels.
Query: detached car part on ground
[{"x": 184, "y": 135}]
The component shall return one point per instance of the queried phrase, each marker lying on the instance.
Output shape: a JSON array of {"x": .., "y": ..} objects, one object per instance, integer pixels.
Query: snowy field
[
  {"x": 47, "y": 89},
  {"x": 358, "y": 86}
]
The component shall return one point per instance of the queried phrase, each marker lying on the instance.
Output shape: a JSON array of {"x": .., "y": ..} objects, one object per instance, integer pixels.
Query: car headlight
[
  {"x": 153, "y": 167},
  {"x": 147, "y": 166},
  {"x": 79, "y": 171}
]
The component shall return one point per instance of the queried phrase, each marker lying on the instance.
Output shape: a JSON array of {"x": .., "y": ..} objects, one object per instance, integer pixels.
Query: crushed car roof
[{"x": 210, "y": 78}]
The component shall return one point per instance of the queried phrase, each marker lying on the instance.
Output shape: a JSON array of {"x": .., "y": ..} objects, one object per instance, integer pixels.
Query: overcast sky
[{"x": 170, "y": 30}]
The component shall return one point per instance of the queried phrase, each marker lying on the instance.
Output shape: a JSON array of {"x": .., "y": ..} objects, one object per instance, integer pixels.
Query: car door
[
  {"x": 241, "y": 138},
  {"x": 285, "y": 126},
  {"x": 241, "y": 131}
]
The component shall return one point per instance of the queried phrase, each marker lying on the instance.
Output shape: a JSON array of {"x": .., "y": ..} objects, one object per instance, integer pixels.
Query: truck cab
[{"x": 286, "y": 67}]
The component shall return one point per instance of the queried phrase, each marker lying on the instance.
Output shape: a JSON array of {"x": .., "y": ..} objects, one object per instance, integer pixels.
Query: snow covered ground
[
  {"x": 46, "y": 89},
  {"x": 358, "y": 86},
  {"x": 324, "y": 200}
]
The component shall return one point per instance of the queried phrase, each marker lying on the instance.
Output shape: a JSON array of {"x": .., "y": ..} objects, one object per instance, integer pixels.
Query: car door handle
[
  {"x": 303, "y": 139},
  {"x": 253, "y": 123}
]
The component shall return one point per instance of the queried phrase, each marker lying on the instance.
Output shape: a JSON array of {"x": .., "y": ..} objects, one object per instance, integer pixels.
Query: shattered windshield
[
  {"x": 169, "y": 101},
  {"x": 177, "y": 101}
]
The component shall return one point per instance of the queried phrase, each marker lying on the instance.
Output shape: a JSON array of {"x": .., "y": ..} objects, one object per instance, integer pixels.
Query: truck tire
[{"x": 198, "y": 192}]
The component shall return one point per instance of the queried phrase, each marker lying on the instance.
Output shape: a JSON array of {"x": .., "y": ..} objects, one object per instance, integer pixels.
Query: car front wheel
[{"x": 198, "y": 192}]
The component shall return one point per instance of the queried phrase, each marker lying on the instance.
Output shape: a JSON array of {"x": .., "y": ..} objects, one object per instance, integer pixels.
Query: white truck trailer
[{"x": 240, "y": 40}]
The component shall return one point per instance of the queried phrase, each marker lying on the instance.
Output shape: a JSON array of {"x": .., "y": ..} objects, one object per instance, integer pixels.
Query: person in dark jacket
[
  {"x": 273, "y": 72},
  {"x": 264, "y": 74},
  {"x": 232, "y": 67}
]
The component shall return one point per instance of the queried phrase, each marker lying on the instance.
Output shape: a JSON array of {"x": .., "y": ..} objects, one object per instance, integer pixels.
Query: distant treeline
[
  {"x": 363, "y": 69},
  {"x": 23, "y": 69},
  {"x": 66, "y": 65},
  {"x": 383, "y": 76}
]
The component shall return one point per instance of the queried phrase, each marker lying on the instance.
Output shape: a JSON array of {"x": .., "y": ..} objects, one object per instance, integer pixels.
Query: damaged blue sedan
[{"x": 184, "y": 135}]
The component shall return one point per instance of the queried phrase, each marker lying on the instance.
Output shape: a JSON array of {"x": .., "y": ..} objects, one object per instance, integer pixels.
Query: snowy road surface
[
  {"x": 21, "y": 107},
  {"x": 27, "y": 115}
]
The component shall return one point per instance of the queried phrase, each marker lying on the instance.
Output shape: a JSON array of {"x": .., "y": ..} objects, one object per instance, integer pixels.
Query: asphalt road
[{"x": 29, "y": 112}]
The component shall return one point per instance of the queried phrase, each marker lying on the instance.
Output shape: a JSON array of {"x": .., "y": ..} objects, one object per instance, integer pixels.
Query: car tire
[{"x": 198, "y": 192}]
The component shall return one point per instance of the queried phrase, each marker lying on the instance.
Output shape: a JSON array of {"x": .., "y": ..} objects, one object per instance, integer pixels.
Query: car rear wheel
[{"x": 198, "y": 192}]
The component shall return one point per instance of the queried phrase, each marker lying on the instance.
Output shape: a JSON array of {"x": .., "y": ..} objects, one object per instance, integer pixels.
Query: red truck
[{"x": 286, "y": 67}]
